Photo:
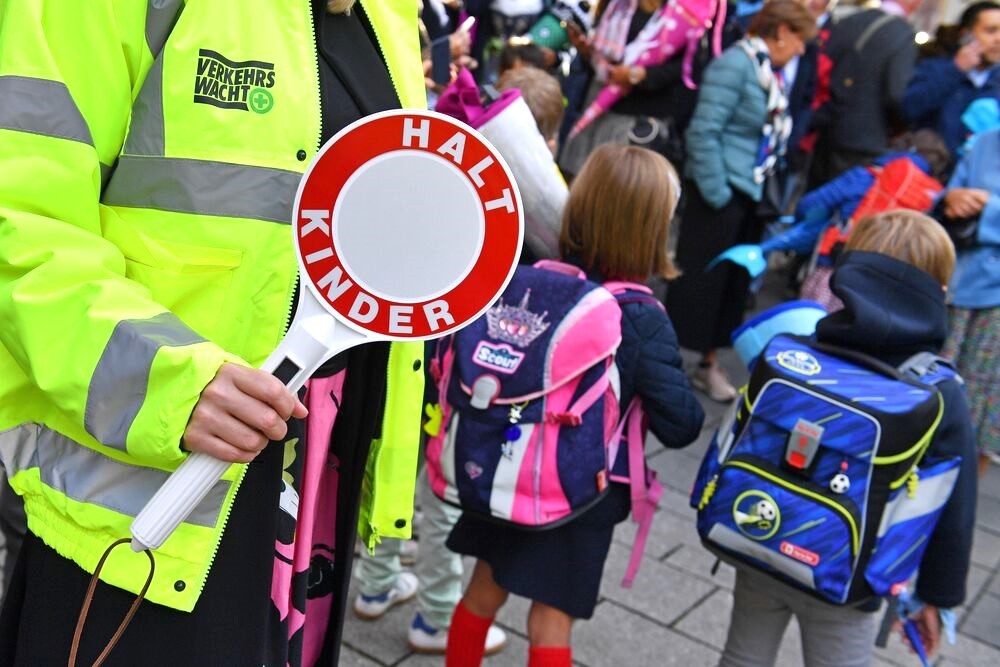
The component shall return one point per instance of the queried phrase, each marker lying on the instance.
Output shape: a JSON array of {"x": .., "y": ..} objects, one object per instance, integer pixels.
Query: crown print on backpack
[{"x": 515, "y": 324}]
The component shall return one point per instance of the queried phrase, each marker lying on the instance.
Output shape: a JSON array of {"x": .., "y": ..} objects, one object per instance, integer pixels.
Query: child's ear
[{"x": 553, "y": 145}]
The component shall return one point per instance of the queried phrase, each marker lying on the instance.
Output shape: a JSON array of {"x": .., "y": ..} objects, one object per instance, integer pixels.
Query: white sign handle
[{"x": 314, "y": 337}]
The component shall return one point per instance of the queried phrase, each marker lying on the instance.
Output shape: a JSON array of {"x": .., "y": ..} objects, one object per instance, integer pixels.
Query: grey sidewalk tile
[
  {"x": 988, "y": 513},
  {"x": 676, "y": 471},
  {"x": 994, "y": 585},
  {"x": 978, "y": 577},
  {"x": 676, "y": 501},
  {"x": 619, "y": 637},
  {"x": 983, "y": 622},
  {"x": 699, "y": 561},
  {"x": 351, "y": 658},
  {"x": 514, "y": 654},
  {"x": 989, "y": 484},
  {"x": 969, "y": 652},
  {"x": 709, "y": 621},
  {"x": 659, "y": 592},
  {"x": 668, "y": 532},
  {"x": 985, "y": 549}
]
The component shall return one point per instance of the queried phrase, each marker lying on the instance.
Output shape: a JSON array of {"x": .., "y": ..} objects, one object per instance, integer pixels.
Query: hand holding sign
[{"x": 408, "y": 225}]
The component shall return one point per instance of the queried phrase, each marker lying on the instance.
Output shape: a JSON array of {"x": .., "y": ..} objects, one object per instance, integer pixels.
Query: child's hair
[
  {"x": 542, "y": 94},
  {"x": 929, "y": 145},
  {"x": 910, "y": 237},
  {"x": 514, "y": 56},
  {"x": 618, "y": 213}
]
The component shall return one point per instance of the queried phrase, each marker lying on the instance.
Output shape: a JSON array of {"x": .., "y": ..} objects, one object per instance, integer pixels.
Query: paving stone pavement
[{"x": 677, "y": 612}]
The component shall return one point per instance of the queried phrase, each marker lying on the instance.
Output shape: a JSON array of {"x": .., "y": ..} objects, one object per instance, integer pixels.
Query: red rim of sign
[{"x": 379, "y": 135}]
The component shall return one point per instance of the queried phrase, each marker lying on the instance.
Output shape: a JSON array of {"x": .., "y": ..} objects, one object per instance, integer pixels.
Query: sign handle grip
[{"x": 313, "y": 338}]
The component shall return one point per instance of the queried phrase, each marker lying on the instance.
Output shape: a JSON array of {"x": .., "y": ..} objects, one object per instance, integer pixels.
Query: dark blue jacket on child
[
  {"x": 892, "y": 310},
  {"x": 649, "y": 362}
]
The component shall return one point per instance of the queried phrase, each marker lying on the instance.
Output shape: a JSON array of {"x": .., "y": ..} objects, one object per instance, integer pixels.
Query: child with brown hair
[
  {"x": 892, "y": 279},
  {"x": 542, "y": 94},
  {"x": 615, "y": 227}
]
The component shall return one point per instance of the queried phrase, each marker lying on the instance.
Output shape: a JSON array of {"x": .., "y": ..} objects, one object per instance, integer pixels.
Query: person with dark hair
[
  {"x": 738, "y": 132},
  {"x": 515, "y": 56},
  {"x": 942, "y": 88}
]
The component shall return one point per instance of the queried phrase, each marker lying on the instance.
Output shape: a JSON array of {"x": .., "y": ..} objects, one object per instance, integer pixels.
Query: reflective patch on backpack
[{"x": 799, "y": 362}]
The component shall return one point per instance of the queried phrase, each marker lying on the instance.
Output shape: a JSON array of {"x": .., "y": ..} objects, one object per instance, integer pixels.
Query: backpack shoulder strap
[
  {"x": 929, "y": 368},
  {"x": 630, "y": 292}
]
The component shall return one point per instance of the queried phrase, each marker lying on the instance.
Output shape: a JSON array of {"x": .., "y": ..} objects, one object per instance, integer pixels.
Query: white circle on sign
[{"x": 428, "y": 220}]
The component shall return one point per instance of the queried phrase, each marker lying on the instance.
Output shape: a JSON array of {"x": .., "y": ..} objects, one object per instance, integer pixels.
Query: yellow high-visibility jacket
[{"x": 150, "y": 152}]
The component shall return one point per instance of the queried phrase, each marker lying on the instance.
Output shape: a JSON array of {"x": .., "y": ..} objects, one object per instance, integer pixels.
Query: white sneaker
[
  {"x": 713, "y": 381},
  {"x": 408, "y": 553},
  {"x": 423, "y": 638},
  {"x": 370, "y": 607}
]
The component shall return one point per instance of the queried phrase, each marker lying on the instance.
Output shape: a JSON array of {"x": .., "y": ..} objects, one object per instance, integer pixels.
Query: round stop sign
[{"x": 408, "y": 225}]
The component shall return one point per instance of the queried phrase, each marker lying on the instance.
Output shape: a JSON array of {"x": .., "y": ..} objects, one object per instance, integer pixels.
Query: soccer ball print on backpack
[{"x": 818, "y": 476}]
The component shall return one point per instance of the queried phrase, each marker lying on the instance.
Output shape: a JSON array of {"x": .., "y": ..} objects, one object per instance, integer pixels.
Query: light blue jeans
[{"x": 438, "y": 570}]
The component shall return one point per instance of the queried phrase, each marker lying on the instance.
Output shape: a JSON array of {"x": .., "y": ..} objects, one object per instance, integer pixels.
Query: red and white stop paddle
[{"x": 408, "y": 225}]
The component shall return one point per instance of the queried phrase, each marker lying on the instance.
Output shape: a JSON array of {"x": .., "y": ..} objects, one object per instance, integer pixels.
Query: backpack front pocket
[{"x": 784, "y": 525}]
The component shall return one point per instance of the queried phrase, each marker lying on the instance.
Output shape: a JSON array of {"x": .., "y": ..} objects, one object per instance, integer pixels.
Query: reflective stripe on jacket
[{"x": 117, "y": 309}]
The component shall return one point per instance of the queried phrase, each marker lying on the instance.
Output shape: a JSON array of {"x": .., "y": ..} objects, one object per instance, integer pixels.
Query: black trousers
[{"x": 706, "y": 306}]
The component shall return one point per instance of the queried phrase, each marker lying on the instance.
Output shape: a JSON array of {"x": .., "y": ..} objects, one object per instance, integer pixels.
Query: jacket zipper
[
  {"x": 238, "y": 482},
  {"x": 392, "y": 350},
  {"x": 852, "y": 524},
  {"x": 381, "y": 51}
]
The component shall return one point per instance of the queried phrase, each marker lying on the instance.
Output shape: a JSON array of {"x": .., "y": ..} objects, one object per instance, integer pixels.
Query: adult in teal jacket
[
  {"x": 974, "y": 342},
  {"x": 737, "y": 133}
]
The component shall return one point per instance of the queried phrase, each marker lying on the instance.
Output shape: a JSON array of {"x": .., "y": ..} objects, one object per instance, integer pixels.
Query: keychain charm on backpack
[
  {"x": 513, "y": 432},
  {"x": 841, "y": 483}
]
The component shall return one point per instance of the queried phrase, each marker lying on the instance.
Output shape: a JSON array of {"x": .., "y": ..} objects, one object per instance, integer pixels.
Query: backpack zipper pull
[
  {"x": 513, "y": 432},
  {"x": 911, "y": 484},
  {"x": 706, "y": 495}
]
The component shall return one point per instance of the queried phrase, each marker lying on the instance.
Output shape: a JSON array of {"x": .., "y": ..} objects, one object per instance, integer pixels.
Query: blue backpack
[{"x": 818, "y": 474}]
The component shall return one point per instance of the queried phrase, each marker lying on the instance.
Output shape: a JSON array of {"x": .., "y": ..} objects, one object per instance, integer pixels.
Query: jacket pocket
[{"x": 192, "y": 281}]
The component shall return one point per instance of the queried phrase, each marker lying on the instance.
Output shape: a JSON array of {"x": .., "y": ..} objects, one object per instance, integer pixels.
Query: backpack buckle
[
  {"x": 803, "y": 443},
  {"x": 563, "y": 418}
]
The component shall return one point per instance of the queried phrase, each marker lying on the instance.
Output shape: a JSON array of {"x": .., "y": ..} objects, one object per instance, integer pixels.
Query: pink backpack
[{"x": 531, "y": 429}]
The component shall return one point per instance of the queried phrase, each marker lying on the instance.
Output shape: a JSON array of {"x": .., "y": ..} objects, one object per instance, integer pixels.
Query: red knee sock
[
  {"x": 466, "y": 638},
  {"x": 550, "y": 656}
]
